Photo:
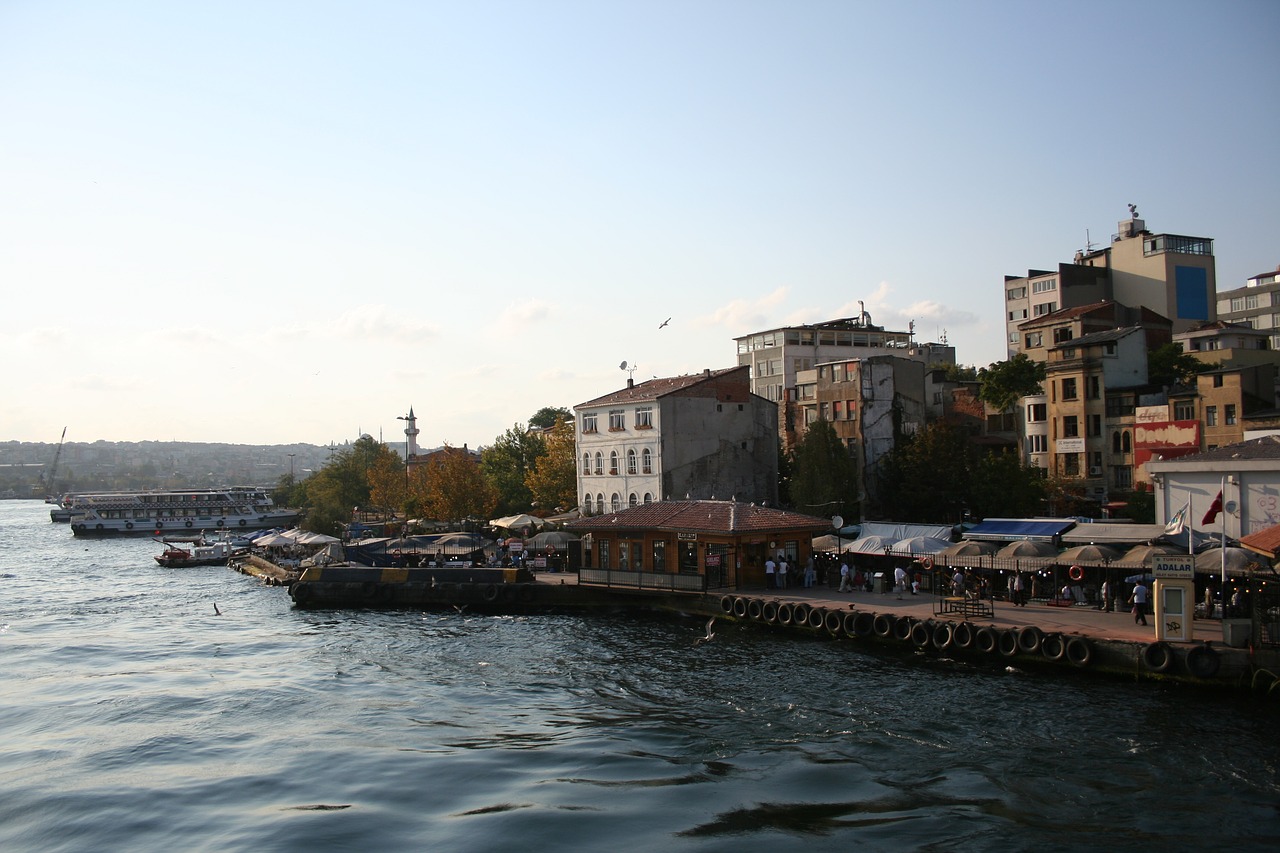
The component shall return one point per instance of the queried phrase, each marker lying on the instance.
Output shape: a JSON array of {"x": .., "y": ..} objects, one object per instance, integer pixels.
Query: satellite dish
[
  {"x": 837, "y": 521},
  {"x": 622, "y": 366},
  {"x": 1231, "y": 507}
]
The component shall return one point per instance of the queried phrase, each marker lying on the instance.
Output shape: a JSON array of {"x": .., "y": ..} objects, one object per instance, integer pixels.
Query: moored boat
[
  {"x": 195, "y": 553},
  {"x": 188, "y": 511}
]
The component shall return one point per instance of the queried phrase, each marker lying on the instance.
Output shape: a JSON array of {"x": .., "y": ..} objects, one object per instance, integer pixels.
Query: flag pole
[{"x": 1223, "y": 493}]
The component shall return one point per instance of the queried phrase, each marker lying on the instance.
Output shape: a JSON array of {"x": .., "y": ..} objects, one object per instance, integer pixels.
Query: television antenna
[{"x": 630, "y": 368}]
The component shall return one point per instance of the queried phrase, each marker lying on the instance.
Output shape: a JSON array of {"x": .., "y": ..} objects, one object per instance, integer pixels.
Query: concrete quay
[{"x": 1077, "y": 638}]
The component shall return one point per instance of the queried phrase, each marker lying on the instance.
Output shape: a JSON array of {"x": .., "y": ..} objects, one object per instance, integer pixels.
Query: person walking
[
  {"x": 1016, "y": 583},
  {"x": 899, "y": 581},
  {"x": 1139, "y": 604},
  {"x": 810, "y": 572},
  {"x": 782, "y": 572},
  {"x": 770, "y": 570},
  {"x": 844, "y": 576},
  {"x": 1104, "y": 597}
]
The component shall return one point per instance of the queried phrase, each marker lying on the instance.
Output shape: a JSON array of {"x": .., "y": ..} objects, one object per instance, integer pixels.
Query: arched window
[
  {"x": 633, "y": 500},
  {"x": 617, "y": 502},
  {"x": 648, "y": 497},
  {"x": 646, "y": 461},
  {"x": 599, "y": 463},
  {"x": 586, "y": 504},
  {"x": 600, "y": 502},
  {"x": 1115, "y": 442},
  {"x": 586, "y": 463},
  {"x": 631, "y": 461},
  {"x": 1125, "y": 446},
  {"x": 613, "y": 462}
]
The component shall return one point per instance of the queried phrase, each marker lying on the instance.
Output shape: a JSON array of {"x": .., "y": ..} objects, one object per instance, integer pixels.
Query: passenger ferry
[{"x": 153, "y": 513}]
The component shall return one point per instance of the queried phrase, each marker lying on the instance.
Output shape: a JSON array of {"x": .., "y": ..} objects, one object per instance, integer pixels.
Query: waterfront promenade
[{"x": 1077, "y": 619}]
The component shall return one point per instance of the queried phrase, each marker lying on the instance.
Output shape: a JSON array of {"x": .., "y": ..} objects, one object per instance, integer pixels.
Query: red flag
[{"x": 1214, "y": 509}]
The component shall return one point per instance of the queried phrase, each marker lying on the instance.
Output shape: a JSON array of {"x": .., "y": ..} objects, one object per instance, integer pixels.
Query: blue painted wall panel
[{"x": 1192, "y": 293}]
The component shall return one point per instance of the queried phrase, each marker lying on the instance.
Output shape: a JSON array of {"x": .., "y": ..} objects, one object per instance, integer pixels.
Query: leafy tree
[
  {"x": 927, "y": 477},
  {"x": 1002, "y": 487},
  {"x": 1140, "y": 505},
  {"x": 343, "y": 484},
  {"x": 824, "y": 477},
  {"x": 1003, "y": 383},
  {"x": 961, "y": 373},
  {"x": 549, "y": 416},
  {"x": 456, "y": 487},
  {"x": 553, "y": 482},
  {"x": 508, "y": 462},
  {"x": 1169, "y": 365},
  {"x": 388, "y": 486}
]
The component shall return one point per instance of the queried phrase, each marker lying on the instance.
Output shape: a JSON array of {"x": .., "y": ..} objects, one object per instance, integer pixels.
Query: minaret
[{"x": 411, "y": 434}]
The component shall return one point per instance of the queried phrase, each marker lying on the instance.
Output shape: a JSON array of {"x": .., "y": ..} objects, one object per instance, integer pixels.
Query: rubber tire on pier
[
  {"x": 1053, "y": 647},
  {"x": 1079, "y": 652},
  {"x": 864, "y": 624},
  {"x": 1008, "y": 643},
  {"x": 1029, "y": 639},
  {"x": 902, "y": 628},
  {"x": 128, "y": 525},
  {"x": 833, "y": 622},
  {"x": 301, "y": 593},
  {"x": 740, "y": 607},
  {"x": 491, "y": 593},
  {"x": 944, "y": 634},
  {"x": 815, "y": 618},
  {"x": 849, "y": 623},
  {"x": 786, "y": 614},
  {"x": 1157, "y": 656},
  {"x": 962, "y": 636},
  {"x": 921, "y": 634},
  {"x": 726, "y": 604},
  {"x": 985, "y": 640},
  {"x": 1203, "y": 661},
  {"x": 769, "y": 612},
  {"x": 882, "y": 624},
  {"x": 800, "y": 614},
  {"x": 755, "y": 609}
]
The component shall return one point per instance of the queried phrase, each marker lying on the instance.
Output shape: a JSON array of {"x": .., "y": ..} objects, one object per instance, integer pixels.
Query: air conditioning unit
[{"x": 1095, "y": 472}]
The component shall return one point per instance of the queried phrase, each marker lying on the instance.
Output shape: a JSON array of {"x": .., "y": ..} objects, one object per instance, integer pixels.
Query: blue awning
[{"x": 1012, "y": 529}]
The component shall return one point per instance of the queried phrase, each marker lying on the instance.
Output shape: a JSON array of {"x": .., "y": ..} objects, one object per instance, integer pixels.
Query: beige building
[
  {"x": 1170, "y": 274},
  {"x": 1257, "y": 304}
]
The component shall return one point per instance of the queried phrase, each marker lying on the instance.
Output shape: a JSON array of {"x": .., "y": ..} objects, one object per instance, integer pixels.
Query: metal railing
[{"x": 665, "y": 581}]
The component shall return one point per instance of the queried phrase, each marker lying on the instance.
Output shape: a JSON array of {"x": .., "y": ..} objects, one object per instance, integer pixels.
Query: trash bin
[
  {"x": 881, "y": 581},
  {"x": 1236, "y": 632}
]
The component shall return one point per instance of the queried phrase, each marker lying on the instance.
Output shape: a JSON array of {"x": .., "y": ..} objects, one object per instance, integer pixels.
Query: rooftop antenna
[
  {"x": 631, "y": 369},
  {"x": 1088, "y": 243}
]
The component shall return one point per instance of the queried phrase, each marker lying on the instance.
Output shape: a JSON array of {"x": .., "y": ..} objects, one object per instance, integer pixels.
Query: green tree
[
  {"x": 507, "y": 463},
  {"x": 342, "y": 484},
  {"x": 1169, "y": 365},
  {"x": 456, "y": 487},
  {"x": 549, "y": 416},
  {"x": 1000, "y": 486},
  {"x": 553, "y": 481},
  {"x": 824, "y": 477},
  {"x": 927, "y": 477},
  {"x": 1003, "y": 383}
]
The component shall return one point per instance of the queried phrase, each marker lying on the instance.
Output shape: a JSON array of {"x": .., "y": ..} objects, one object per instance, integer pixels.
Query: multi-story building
[
  {"x": 869, "y": 402},
  {"x": 1172, "y": 274},
  {"x": 777, "y": 356},
  {"x": 1257, "y": 304},
  {"x": 701, "y": 436}
]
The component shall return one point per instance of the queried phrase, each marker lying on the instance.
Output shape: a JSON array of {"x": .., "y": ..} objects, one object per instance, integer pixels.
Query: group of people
[{"x": 777, "y": 574}]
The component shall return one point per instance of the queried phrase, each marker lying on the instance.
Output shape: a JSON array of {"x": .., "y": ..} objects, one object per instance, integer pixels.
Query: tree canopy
[
  {"x": 553, "y": 480},
  {"x": 549, "y": 416},
  {"x": 507, "y": 464},
  {"x": 1003, "y": 383},
  {"x": 1169, "y": 365},
  {"x": 824, "y": 476}
]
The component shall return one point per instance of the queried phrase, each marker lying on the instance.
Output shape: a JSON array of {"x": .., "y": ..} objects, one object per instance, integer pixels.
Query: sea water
[{"x": 133, "y": 718}]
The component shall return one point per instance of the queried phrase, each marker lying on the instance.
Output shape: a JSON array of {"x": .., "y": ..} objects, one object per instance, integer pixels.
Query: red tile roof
[
  {"x": 723, "y": 517},
  {"x": 1264, "y": 541},
  {"x": 655, "y": 388}
]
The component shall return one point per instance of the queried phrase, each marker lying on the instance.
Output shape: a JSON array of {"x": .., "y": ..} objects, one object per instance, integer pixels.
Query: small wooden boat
[{"x": 195, "y": 553}]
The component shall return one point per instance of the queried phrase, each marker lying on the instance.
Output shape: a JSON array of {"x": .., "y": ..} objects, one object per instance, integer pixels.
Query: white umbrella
[
  {"x": 869, "y": 545},
  {"x": 273, "y": 540},
  {"x": 920, "y": 545},
  {"x": 517, "y": 522}
]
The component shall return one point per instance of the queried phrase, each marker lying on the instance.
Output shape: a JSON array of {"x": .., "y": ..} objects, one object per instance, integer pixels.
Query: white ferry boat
[{"x": 153, "y": 513}]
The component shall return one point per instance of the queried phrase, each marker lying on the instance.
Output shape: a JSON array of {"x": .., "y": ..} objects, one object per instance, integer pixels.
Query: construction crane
[{"x": 46, "y": 479}]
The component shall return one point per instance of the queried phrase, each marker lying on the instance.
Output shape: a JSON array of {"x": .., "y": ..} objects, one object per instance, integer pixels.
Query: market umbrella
[
  {"x": 1027, "y": 548},
  {"x": 869, "y": 545},
  {"x": 273, "y": 540},
  {"x": 920, "y": 545},
  {"x": 968, "y": 548},
  {"x": 557, "y": 539},
  {"x": 517, "y": 522},
  {"x": 1139, "y": 556},
  {"x": 1089, "y": 554},
  {"x": 1240, "y": 561}
]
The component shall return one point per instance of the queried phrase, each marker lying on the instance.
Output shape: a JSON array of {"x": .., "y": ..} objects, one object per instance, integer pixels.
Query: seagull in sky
[
  {"x": 664, "y": 322},
  {"x": 710, "y": 636}
]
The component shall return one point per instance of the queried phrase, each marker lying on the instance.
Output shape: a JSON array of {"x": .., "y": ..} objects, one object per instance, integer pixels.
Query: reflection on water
[{"x": 137, "y": 719}]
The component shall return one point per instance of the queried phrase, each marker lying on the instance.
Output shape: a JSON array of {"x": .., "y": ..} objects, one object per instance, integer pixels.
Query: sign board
[
  {"x": 1173, "y": 566},
  {"x": 515, "y": 546},
  {"x": 687, "y": 537},
  {"x": 1070, "y": 445}
]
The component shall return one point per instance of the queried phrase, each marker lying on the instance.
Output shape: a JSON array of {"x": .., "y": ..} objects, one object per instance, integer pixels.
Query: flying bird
[
  {"x": 664, "y": 322},
  {"x": 710, "y": 636}
]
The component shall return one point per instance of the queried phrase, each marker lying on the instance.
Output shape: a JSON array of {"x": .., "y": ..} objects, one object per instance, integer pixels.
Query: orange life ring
[
  {"x": 927, "y": 562},
  {"x": 1075, "y": 573}
]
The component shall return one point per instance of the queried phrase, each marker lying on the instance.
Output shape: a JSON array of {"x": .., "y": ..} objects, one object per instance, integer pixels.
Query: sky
[{"x": 276, "y": 222}]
